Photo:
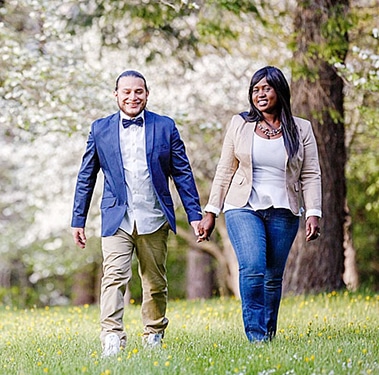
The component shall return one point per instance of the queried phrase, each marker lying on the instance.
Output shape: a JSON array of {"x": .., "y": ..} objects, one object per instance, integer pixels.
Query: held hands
[
  {"x": 79, "y": 237},
  {"x": 312, "y": 228},
  {"x": 206, "y": 227}
]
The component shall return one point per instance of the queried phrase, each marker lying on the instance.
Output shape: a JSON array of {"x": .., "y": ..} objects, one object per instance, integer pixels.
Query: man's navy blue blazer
[{"x": 166, "y": 157}]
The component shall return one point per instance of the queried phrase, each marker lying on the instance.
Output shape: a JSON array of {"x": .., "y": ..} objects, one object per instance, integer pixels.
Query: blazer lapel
[
  {"x": 149, "y": 134},
  {"x": 112, "y": 140}
]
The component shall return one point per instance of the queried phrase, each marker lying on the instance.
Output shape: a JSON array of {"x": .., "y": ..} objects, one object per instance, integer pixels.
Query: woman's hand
[
  {"x": 206, "y": 227},
  {"x": 312, "y": 228}
]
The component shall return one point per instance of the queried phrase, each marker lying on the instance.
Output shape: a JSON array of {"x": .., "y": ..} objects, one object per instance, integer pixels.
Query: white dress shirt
[{"x": 144, "y": 211}]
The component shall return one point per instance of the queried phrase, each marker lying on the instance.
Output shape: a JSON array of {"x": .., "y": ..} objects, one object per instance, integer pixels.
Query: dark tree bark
[
  {"x": 83, "y": 289},
  {"x": 225, "y": 277},
  {"x": 199, "y": 278},
  {"x": 317, "y": 94}
]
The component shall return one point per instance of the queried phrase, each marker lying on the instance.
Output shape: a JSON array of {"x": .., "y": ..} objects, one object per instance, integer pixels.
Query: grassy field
[{"x": 336, "y": 333}]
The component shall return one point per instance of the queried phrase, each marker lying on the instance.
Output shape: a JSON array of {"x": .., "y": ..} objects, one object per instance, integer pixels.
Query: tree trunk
[
  {"x": 350, "y": 276},
  {"x": 199, "y": 278},
  {"x": 83, "y": 289},
  {"x": 317, "y": 94},
  {"x": 226, "y": 277}
]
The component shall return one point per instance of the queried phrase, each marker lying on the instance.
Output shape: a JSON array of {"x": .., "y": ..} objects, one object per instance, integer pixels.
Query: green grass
[{"x": 336, "y": 333}]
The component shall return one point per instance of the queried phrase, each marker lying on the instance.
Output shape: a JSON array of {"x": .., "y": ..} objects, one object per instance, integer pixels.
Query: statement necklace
[{"x": 269, "y": 132}]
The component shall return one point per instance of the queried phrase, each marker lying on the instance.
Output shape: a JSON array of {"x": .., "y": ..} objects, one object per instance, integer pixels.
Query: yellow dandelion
[
  {"x": 167, "y": 363},
  {"x": 84, "y": 369},
  {"x": 339, "y": 351},
  {"x": 135, "y": 351},
  {"x": 45, "y": 370},
  {"x": 156, "y": 363},
  {"x": 215, "y": 345},
  {"x": 364, "y": 351}
]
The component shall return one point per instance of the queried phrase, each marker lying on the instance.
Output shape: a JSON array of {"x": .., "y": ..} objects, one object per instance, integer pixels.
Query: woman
[{"x": 268, "y": 166}]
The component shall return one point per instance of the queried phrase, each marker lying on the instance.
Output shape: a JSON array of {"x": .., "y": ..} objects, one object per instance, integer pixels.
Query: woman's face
[{"x": 264, "y": 97}]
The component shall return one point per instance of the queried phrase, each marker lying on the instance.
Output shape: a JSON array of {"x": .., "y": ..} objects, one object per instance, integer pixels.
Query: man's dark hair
[{"x": 131, "y": 73}]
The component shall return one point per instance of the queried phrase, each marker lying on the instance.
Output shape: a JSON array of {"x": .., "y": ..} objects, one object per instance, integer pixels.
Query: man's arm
[
  {"x": 84, "y": 190},
  {"x": 184, "y": 180}
]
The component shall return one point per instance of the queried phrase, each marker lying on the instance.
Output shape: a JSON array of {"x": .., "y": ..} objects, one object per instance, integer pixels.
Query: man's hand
[
  {"x": 194, "y": 225},
  {"x": 206, "y": 227},
  {"x": 312, "y": 228},
  {"x": 79, "y": 237}
]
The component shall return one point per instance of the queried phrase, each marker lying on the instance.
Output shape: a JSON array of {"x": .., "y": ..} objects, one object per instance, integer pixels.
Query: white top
[
  {"x": 144, "y": 210},
  {"x": 269, "y": 175}
]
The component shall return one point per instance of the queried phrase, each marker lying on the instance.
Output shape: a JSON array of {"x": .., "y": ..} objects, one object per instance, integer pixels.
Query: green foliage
[
  {"x": 334, "y": 31},
  {"x": 238, "y": 6},
  {"x": 332, "y": 333},
  {"x": 360, "y": 73},
  {"x": 329, "y": 46}
]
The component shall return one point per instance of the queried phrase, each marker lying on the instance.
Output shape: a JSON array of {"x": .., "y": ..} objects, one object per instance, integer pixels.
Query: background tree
[
  {"x": 321, "y": 29},
  {"x": 58, "y": 63},
  {"x": 360, "y": 74}
]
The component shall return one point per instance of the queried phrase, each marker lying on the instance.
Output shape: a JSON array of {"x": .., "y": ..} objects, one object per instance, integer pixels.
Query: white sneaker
[
  {"x": 111, "y": 345},
  {"x": 153, "y": 340}
]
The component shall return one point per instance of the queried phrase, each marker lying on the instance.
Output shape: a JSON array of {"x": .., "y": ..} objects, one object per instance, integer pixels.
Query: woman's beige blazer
[{"x": 233, "y": 181}]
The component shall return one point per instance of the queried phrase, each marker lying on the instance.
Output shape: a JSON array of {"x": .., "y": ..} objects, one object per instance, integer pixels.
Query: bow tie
[{"x": 136, "y": 121}]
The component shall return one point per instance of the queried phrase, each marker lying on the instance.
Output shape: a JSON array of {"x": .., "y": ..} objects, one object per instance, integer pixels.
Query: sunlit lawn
[{"x": 332, "y": 334}]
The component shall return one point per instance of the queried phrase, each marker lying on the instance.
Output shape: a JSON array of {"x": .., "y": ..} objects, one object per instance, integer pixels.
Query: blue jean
[{"x": 262, "y": 240}]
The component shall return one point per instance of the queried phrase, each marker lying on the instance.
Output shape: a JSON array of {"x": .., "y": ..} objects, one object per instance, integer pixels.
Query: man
[{"x": 137, "y": 151}]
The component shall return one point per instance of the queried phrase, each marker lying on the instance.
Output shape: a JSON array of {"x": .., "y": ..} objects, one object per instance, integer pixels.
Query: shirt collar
[{"x": 123, "y": 115}]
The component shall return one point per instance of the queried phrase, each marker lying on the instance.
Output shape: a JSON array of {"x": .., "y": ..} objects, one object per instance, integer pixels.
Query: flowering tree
[{"x": 59, "y": 60}]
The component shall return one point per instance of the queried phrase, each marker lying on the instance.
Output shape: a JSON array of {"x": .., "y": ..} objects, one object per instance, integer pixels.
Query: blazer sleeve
[
  {"x": 183, "y": 178},
  {"x": 310, "y": 175},
  {"x": 225, "y": 170},
  {"x": 85, "y": 183}
]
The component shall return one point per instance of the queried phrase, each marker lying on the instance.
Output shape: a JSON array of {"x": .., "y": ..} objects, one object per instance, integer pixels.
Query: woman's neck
[{"x": 271, "y": 119}]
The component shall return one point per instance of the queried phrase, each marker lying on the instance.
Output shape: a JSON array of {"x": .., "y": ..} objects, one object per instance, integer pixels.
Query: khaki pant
[{"x": 151, "y": 252}]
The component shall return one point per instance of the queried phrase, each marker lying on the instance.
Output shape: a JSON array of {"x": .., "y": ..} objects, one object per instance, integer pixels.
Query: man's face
[{"x": 131, "y": 95}]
